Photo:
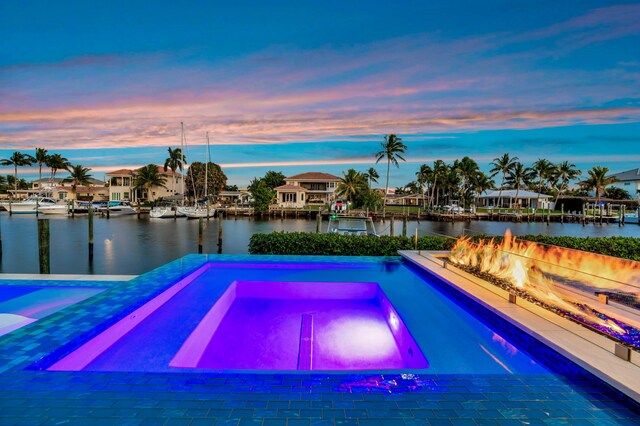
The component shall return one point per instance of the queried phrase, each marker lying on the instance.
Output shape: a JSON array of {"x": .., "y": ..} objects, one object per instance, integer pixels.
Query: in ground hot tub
[{"x": 262, "y": 325}]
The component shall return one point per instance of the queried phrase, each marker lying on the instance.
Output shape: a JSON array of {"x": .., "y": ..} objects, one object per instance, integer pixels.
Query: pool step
[{"x": 305, "y": 351}]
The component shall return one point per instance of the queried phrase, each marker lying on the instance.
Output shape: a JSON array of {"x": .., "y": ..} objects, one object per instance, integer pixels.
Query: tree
[
  {"x": 618, "y": 193},
  {"x": 56, "y": 162},
  {"x": 502, "y": 165},
  {"x": 148, "y": 176},
  {"x": 230, "y": 188},
  {"x": 79, "y": 176},
  {"x": 392, "y": 150},
  {"x": 41, "y": 158},
  {"x": 175, "y": 161},
  {"x": 598, "y": 181},
  {"x": 518, "y": 176},
  {"x": 564, "y": 173},
  {"x": 262, "y": 195},
  {"x": 481, "y": 183},
  {"x": 17, "y": 159},
  {"x": 543, "y": 170},
  {"x": 423, "y": 176},
  {"x": 371, "y": 200},
  {"x": 467, "y": 168},
  {"x": 216, "y": 179},
  {"x": 371, "y": 175},
  {"x": 273, "y": 179},
  {"x": 439, "y": 174},
  {"x": 351, "y": 184}
]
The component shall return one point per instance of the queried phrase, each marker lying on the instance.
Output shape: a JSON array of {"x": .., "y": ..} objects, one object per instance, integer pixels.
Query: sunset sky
[{"x": 314, "y": 86}]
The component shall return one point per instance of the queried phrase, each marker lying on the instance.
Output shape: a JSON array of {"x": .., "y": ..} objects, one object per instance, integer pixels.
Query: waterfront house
[
  {"x": 629, "y": 181},
  {"x": 513, "y": 198},
  {"x": 121, "y": 186},
  {"x": 241, "y": 197},
  {"x": 307, "y": 188}
]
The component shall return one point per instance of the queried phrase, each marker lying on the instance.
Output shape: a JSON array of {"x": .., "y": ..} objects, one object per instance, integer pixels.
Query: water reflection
[{"x": 128, "y": 245}]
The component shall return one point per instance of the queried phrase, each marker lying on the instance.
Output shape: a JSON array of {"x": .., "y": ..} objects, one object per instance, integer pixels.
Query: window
[
  {"x": 62, "y": 195},
  {"x": 126, "y": 196},
  {"x": 115, "y": 196},
  {"x": 126, "y": 181},
  {"x": 289, "y": 197},
  {"x": 114, "y": 181}
]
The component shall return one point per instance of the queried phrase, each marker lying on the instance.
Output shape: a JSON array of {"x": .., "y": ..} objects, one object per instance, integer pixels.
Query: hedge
[{"x": 305, "y": 243}]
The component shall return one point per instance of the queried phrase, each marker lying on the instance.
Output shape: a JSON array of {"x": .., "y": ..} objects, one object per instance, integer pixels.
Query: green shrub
[{"x": 305, "y": 243}]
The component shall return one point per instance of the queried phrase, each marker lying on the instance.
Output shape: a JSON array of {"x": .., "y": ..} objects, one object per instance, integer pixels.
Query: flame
[{"x": 537, "y": 269}]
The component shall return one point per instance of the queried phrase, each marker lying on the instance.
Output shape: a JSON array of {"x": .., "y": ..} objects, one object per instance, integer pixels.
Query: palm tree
[
  {"x": 481, "y": 183},
  {"x": 518, "y": 176},
  {"x": 175, "y": 161},
  {"x": 440, "y": 170},
  {"x": 79, "y": 176},
  {"x": 564, "y": 173},
  {"x": 147, "y": 177},
  {"x": 423, "y": 176},
  {"x": 392, "y": 148},
  {"x": 372, "y": 175},
  {"x": 543, "y": 170},
  {"x": 350, "y": 184},
  {"x": 41, "y": 158},
  {"x": 56, "y": 162},
  {"x": 16, "y": 160},
  {"x": 467, "y": 168},
  {"x": 502, "y": 165},
  {"x": 598, "y": 180}
]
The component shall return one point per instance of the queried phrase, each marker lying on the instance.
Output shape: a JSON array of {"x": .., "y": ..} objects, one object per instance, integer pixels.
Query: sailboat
[
  {"x": 167, "y": 210},
  {"x": 200, "y": 210}
]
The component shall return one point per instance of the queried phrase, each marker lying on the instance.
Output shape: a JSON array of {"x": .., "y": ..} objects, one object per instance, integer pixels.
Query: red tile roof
[
  {"x": 130, "y": 172},
  {"x": 290, "y": 188},
  {"x": 314, "y": 176}
]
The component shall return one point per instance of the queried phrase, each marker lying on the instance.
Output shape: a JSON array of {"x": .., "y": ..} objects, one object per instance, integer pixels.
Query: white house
[
  {"x": 512, "y": 198},
  {"x": 307, "y": 188},
  {"x": 629, "y": 181}
]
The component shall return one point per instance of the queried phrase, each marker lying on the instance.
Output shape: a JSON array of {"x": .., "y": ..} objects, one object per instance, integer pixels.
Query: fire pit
[{"x": 552, "y": 277}]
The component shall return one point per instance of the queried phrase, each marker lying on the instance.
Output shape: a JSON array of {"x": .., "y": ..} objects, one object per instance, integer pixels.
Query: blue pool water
[
  {"x": 540, "y": 389},
  {"x": 451, "y": 338}
]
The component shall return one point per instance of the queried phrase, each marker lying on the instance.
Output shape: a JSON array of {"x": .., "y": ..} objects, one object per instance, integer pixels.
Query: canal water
[{"x": 128, "y": 245}]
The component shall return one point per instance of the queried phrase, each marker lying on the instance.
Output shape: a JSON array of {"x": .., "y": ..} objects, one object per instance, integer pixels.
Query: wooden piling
[
  {"x": 10, "y": 211},
  {"x": 200, "y": 234},
  {"x": 404, "y": 226},
  {"x": 43, "y": 245},
  {"x": 219, "y": 236},
  {"x": 318, "y": 222},
  {"x": 415, "y": 240},
  {"x": 0, "y": 238},
  {"x": 562, "y": 213},
  {"x": 90, "y": 234},
  {"x": 391, "y": 230}
]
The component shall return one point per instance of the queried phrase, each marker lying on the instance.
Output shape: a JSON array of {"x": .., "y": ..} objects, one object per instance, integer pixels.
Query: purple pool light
[{"x": 330, "y": 326}]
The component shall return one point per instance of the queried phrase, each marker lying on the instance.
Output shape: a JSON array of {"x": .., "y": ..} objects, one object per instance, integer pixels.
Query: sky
[{"x": 299, "y": 86}]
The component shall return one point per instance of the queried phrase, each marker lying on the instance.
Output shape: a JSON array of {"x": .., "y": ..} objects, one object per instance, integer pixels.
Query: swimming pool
[
  {"x": 21, "y": 305},
  {"x": 364, "y": 314}
]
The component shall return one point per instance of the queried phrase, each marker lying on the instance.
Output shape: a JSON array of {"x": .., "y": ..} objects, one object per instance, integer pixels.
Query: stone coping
[
  {"x": 66, "y": 277},
  {"x": 589, "y": 350}
]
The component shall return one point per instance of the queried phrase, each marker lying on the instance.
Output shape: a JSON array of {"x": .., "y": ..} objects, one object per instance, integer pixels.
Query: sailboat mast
[
  {"x": 206, "y": 172},
  {"x": 182, "y": 154}
]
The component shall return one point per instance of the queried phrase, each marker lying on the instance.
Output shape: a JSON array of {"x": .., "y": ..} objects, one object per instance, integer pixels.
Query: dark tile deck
[{"x": 29, "y": 396}]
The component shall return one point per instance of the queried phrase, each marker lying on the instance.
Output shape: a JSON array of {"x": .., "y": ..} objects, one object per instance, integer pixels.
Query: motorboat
[
  {"x": 32, "y": 205},
  {"x": 631, "y": 217},
  {"x": 351, "y": 225},
  {"x": 65, "y": 209},
  {"x": 119, "y": 208}
]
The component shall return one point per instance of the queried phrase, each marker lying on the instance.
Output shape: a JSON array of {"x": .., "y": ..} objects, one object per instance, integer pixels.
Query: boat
[
  {"x": 165, "y": 211},
  {"x": 65, "y": 209},
  {"x": 351, "y": 225},
  {"x": 32, "y": 205},
  {"x": 195, "y": 212},
  {"x": 119, "y": 208},
  {"x": 631, "y": 218}
]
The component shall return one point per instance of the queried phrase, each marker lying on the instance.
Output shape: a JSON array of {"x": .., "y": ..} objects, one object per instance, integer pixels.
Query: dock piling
[
  {"x": 43, "y": 245},
  {"x": 0, "y": 238},
  {"x": 200, "y": 234},
  {"x": 318, "y": 222},
  {"x": 404, "y": 226},
  {"x": 90, "y": 234},
  {"x": 219, "y": 235},
  {"x": 391, "y": 230}
]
